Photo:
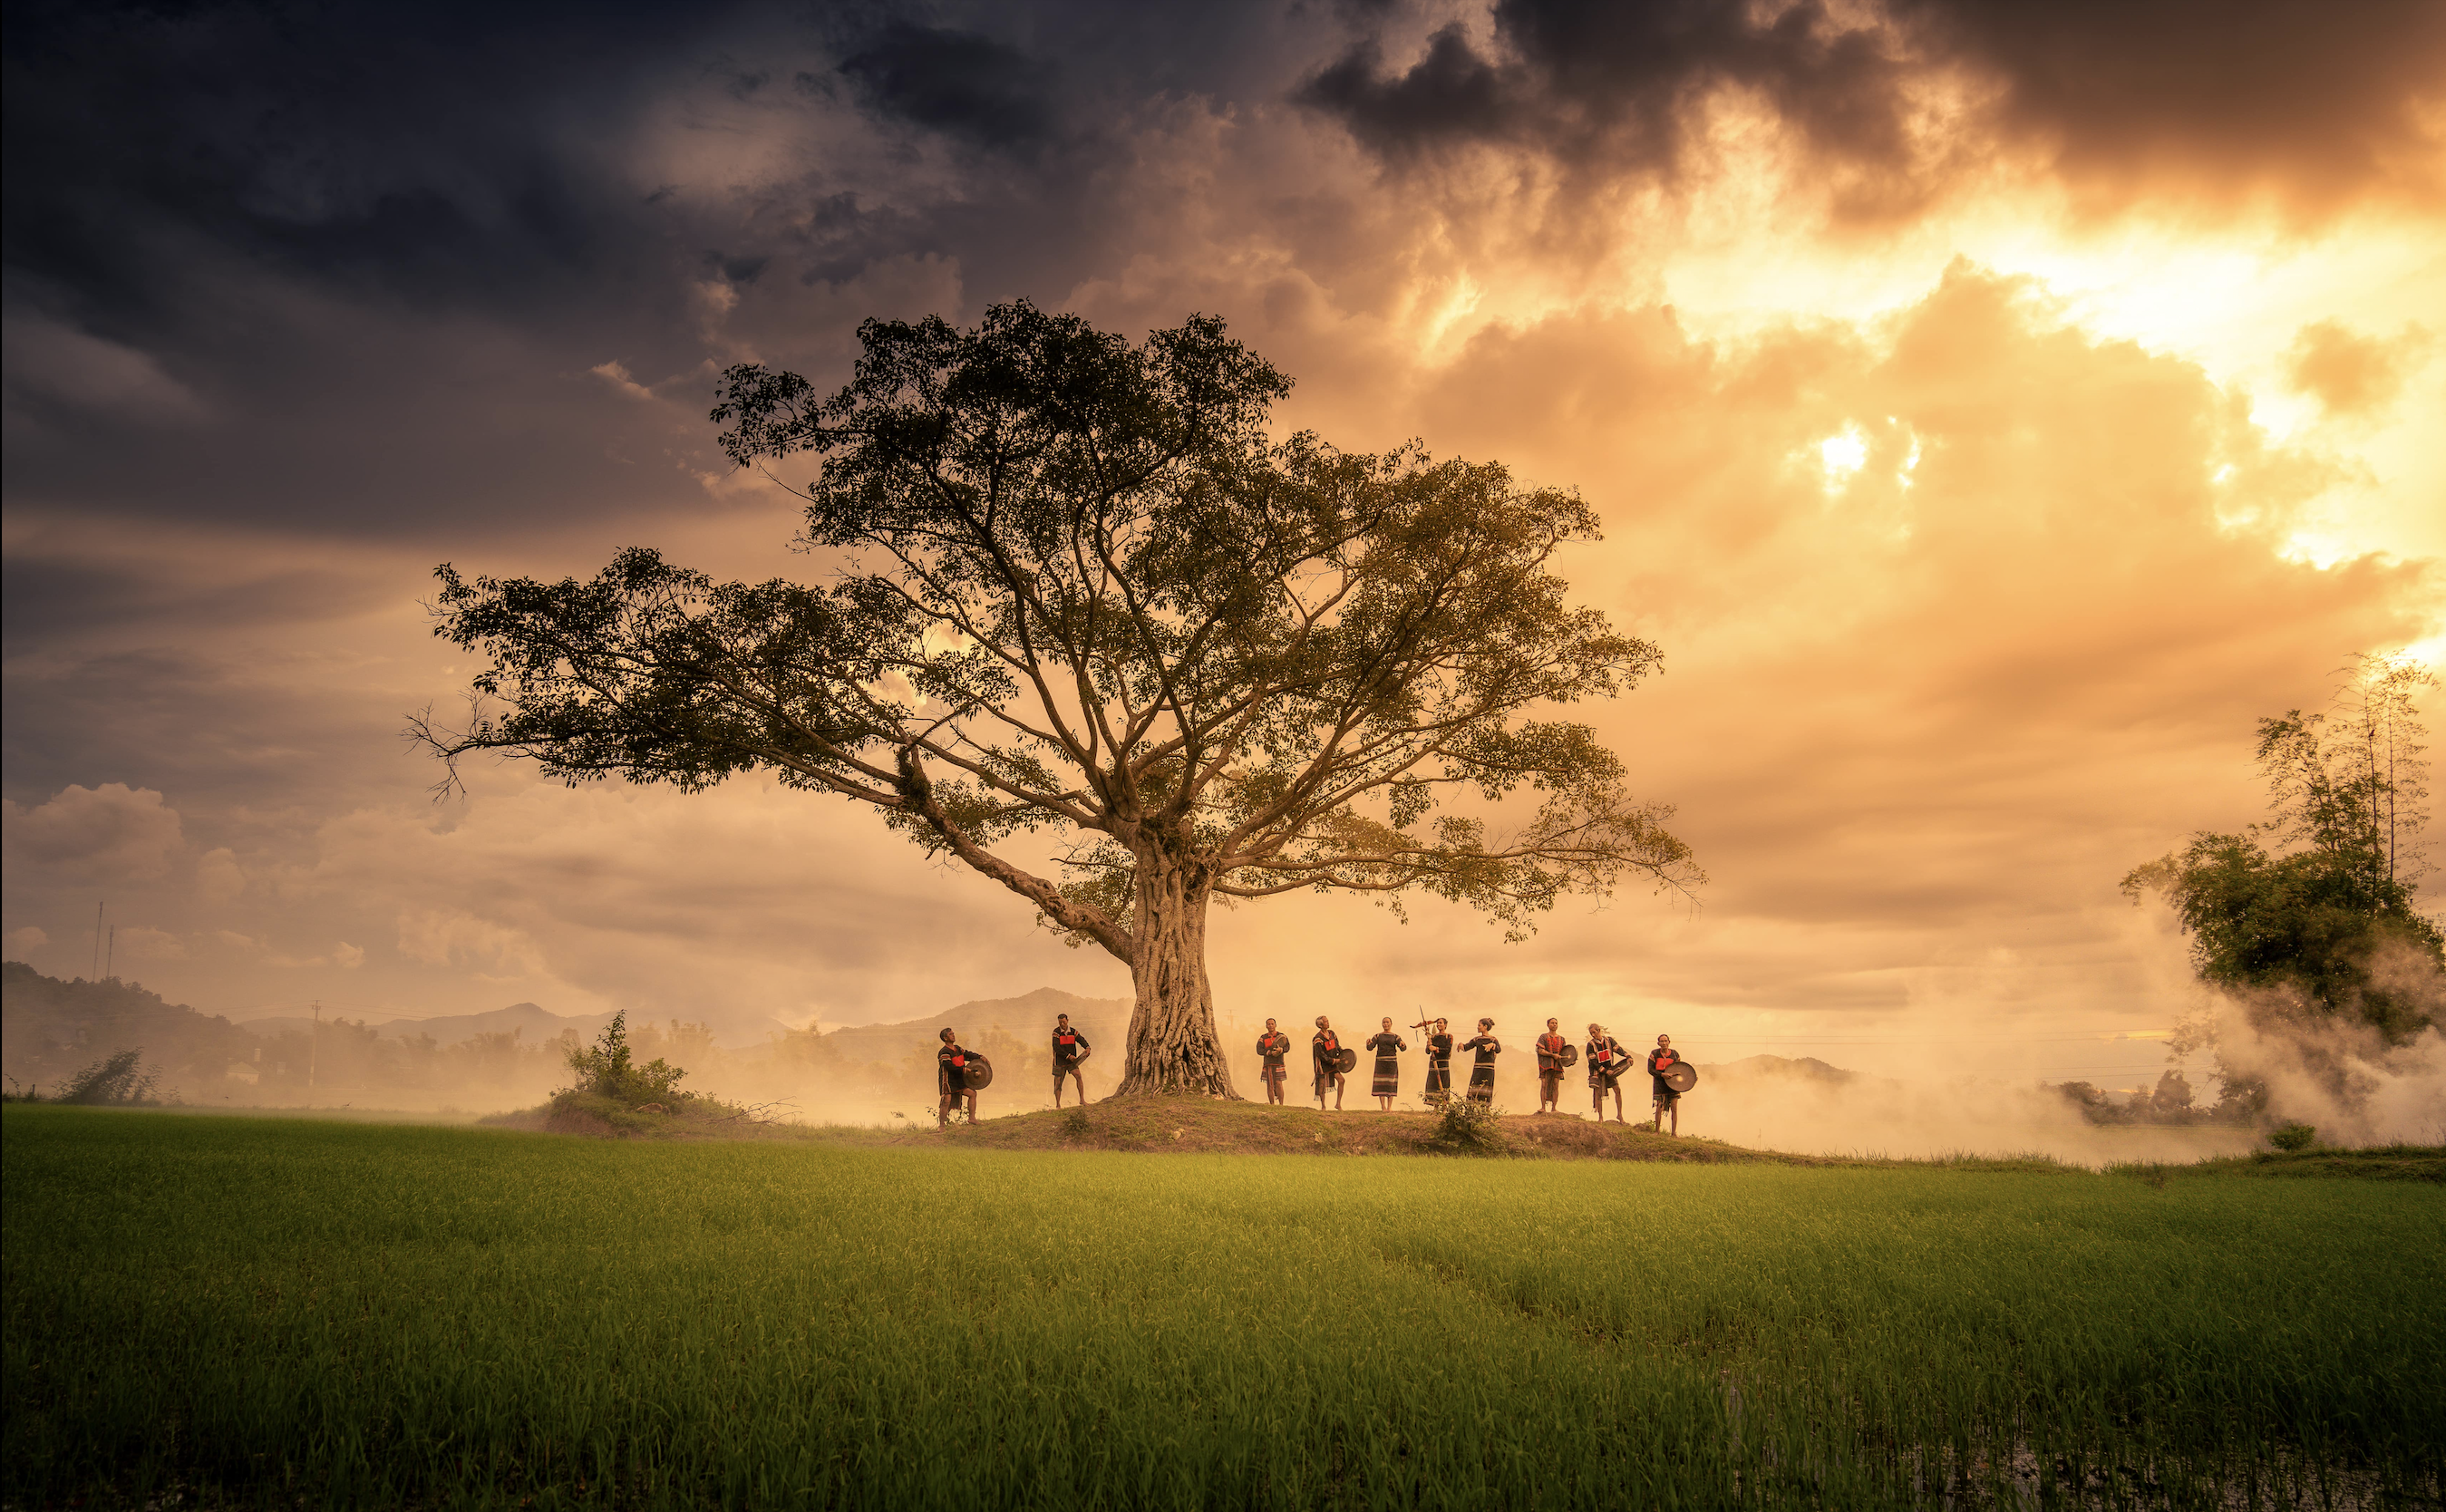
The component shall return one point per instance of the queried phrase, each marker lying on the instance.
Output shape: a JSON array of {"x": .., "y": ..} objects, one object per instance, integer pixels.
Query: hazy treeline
[
  {"x": 54, "y": 1030},
  {"x": 2172, "y": 1101}
]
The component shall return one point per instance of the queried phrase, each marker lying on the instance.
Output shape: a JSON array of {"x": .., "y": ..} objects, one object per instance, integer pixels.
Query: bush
[
  {"x": 1468, "y": 1128},
  {"x": 2291, "y": 1137},
  {"x": 118, "y": 1078},
  {"x": 605, "y": 1070}
]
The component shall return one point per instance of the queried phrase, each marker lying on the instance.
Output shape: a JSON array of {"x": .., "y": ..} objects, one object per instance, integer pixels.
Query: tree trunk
[{"x": 1172, "y": 1048}]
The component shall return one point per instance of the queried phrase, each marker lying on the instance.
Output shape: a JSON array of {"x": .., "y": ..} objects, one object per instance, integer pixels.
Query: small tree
[
  {"x": 1082, "y": 588},
  {"x": 605, "y": 1068}
]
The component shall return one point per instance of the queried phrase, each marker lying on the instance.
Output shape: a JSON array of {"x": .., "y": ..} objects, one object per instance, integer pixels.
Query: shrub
[
  {"x": 118, "y": 1078},
  {"x": 2291, "y": 1137},
  {"x": 1468, "y": 1128},
  {"x": 605, "y": 1068}
]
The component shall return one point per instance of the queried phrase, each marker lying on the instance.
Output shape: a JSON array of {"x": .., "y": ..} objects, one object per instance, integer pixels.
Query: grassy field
[{"x": 358, "y": 1315}]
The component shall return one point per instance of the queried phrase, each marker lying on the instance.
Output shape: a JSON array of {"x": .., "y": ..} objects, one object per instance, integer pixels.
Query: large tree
[{"x": 1078, "y": 587}]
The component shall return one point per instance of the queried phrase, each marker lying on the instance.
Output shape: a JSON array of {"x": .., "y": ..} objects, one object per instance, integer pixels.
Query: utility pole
[
  {"x": 313, "y": 1044},
  {"x": 96, "y": 941}
]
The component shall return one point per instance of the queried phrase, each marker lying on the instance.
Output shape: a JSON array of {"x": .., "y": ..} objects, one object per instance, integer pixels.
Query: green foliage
[
  {"x": 606, "y": 1069},
  {"x": 2292, "y": 1137},
  {"x": 2311, "y": 926},
  {"x": 2327, "y": 933},
  {"x": 330, "y": 1316},
  {"x": 1467, "y": 1126},
  {"x": 119, "y": 1077}
]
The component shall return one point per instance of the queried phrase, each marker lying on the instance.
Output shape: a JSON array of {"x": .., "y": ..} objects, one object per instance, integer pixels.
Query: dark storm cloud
[
  {"x": 262, "y": 254},
  {"x": 957, "y": 82},
  {"x": 2320, "y": 103},
  {"x": 1589, "y": 80},
  {"x": 2324, "y": 102}
]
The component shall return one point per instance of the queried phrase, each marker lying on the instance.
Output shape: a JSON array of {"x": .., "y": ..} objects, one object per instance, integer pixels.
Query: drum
[
  {"x": 1681, "y": 1075},
  {"x": 978, "y": 1074},
  {"x": 1570, "y": 1056},
  {"x": 1345, "y": 1060}
]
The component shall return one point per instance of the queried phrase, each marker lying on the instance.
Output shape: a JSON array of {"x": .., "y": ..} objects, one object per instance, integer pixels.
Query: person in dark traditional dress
[
  {"x": 1439, "y": 1048},
  {"x": 951, "y": 1081},
  {"x": 1328, "y": 1050},
  {"x": 1660, "y": 1060},
  {"x": 1272, "y": 1047},
  {"x": 1551, "y": 1046},
  {"x": 1608, "y": 1061},
  {"x": 1070, "y": 1047},
  {"x": 1481, "y": 1075},
  {"x": 1388, "y": 1084}
]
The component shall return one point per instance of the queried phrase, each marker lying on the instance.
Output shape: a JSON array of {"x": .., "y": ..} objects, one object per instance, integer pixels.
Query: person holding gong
[
  {"x": 1069, "y": 1050},
  {"x": 1273, "y": 1046},
  {"x": 1608, "y": 1061},
  {"x": 951, "y": 1081},
  {"x": 1551, "y": 1046},
  {"x": 1328, "y": 1050},
  {"x": 1668, "y": 1098},
  {"x": 1481, "y": 1075},
  {"x": 1439, "y": 1049},
  {"x": 1388, "y": 1084}
]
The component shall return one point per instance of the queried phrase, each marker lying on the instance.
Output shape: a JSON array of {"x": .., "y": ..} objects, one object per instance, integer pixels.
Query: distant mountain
[
  {"x": 1104, "y": 1020},
  {"x": 1807, "y": 1067},
  {"x": 532, "y": 1023}
]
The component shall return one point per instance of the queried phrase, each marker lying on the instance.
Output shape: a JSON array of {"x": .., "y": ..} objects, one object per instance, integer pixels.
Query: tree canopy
[
  {"x": 1079, "y": 586},
  {"x": 2311, "y": 918}
]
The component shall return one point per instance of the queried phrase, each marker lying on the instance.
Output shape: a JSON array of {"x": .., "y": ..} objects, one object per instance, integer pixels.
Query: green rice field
[{"x": 245, "y": 1312}]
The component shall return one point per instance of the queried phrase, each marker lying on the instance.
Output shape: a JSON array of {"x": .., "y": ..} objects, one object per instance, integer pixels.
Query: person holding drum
[
  {"x": 1273, "y": 1046},
  {"x": 1553, "y": 1056},
  {"x": 1661, "y": 1062},
  {"x": 1328, "y": 1050},
  {"x": 951, "y": 1082},
  {"x": 1070, "y": 1051},
  {"x": 1439, "y": 1049},
  {"x": 1388, "y": 1084},
  {"x": 1608, "y": 1061},
  {"x": 1482, "y": 1075}
]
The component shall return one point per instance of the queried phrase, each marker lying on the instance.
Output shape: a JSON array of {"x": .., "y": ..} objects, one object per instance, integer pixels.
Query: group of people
[
  {"x": 959, "y": 1076},
  {"x": 1608, "y": 1062}
]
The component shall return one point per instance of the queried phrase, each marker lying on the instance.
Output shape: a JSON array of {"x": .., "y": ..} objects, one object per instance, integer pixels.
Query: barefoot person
[
  {"x": 1388, "y": 1084},
  {"x": 1482, "y": 1075},
  {"x": 951, "y": 1081},
  {"x": 1551, "y": 1046},
  {"x": 1272, "y": 1047},
  {"x": 1439, "y": 1049},
  {"x": 1070, "y": 1049},
  {"x": 1660, "y": 1060},
  {"x": 1608, "y": 1061},
  {"x": 1328, "y": 1050}
]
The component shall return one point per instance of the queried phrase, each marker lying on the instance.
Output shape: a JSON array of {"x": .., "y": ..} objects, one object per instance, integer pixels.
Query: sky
[{"x": 1993, "y": 410}]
